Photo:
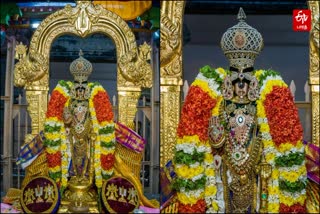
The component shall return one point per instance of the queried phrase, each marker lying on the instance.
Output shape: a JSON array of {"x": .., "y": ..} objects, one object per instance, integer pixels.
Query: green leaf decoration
[
  {"x": 184, "y": 158},
  {"x": 55, "y": 175},
  {"x": 188, "y": 184},
  {"x": 51, "y": 143},
  {"x": 267, "y": 74},
  {"x": 106, "y": 130},
  {"x": 107, "y": 144},
  {"x": 51, "y": 129},
  {"x": 290, "y": 160},
  {"x": 292, "y": 187},
  {"x": 211, "y": 73}
]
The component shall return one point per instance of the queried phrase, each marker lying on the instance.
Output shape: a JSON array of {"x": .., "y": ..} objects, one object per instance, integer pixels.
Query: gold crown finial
[
  {"x": 80, "y": 68},
  {"x": 241, "y": 43},
  {"x": 241, "y": 15}
]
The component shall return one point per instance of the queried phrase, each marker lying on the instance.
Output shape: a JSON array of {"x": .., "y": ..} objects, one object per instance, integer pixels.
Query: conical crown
[
  {"x": 241, "y": 43},
  {"x": 80, "y": 68}
]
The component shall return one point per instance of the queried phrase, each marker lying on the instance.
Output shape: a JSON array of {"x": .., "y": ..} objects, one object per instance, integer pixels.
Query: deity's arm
[
  {"x": 193, "y": 161},
  {"x": 282, "y": 141}
]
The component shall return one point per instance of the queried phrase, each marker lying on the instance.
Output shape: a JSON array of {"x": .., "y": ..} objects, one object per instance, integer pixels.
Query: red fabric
[
  {"x": 196, "y": 113},
  {"x": 102, "y": 106},
  {"x": 199, "y": 207},
  {"x": 283, "y": 116},
  {"x": 56, "y": 105}
]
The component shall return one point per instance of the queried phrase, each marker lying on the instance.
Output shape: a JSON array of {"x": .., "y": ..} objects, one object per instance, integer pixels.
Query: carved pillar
[
  {"x": 314, "y": 73},
  {"x": 170, "y": 75},
  {"x": 127, "y": 106},
  {"x": 37, "y": 108}
]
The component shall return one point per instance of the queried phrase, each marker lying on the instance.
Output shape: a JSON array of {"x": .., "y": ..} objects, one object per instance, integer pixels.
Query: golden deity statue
[
  {"x": 79, "y": 127},
  {"x": 239, "y": 146},
  {"x": 77, "y": 146}
]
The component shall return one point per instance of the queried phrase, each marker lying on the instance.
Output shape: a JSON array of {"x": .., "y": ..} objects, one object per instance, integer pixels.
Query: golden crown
[
  {"x": 81, "y": 68},
  {"x": 241, "y": 43}
]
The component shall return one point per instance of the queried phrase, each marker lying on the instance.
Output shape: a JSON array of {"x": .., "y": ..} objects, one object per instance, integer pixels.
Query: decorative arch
[{"x": 32, "y": 70}]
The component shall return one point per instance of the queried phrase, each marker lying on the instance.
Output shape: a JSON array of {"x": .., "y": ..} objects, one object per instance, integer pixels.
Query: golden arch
[{"x": 133, "y": 70}]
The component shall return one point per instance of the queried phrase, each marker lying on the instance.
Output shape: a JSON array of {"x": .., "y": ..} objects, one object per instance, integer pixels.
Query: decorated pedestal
[
  {"x": 119, "y": 195},
  {"x": 40, "y": 195}
]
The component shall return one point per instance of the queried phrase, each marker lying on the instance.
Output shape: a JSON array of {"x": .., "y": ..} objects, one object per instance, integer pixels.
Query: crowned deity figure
[
  {"x": 239, "y": 146},
  {"x": 79, "y": 137}
]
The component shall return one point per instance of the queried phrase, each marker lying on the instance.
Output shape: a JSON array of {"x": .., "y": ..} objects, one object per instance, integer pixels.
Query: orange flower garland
[
  {"x": 278, "y": 105},
  {"x": 54, "y": 159},
  {"x": 103, "y": 106},
  {"x": 197, "y": 108},
  {"x": 56, "y": 105},
  {"x": 199, "y": 207},
  {"x": 107, "y": 161}
]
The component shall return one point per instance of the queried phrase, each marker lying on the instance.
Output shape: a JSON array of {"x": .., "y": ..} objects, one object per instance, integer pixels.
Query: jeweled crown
[
  {"x": 241, "y": 43},
  {"x": 81, "y": 68}
]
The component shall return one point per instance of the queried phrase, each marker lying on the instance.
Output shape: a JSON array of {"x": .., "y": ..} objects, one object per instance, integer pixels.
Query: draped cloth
[{"x": 127, "y": 10}]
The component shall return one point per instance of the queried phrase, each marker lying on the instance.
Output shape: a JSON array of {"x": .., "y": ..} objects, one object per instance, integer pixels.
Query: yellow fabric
[{"x": 127, "y": 10}]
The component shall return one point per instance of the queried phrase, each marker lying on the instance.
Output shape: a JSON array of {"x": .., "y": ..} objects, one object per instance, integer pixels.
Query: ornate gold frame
[
  {"x": 170, "y": 75},
  {"x": 32, "y": 70},
  {"x": 314, "y": 70},
  {"x": 172, "y": 13}
]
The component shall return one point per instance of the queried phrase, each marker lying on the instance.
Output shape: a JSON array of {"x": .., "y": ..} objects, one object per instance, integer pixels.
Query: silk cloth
[{"x": 127, "y": 10}]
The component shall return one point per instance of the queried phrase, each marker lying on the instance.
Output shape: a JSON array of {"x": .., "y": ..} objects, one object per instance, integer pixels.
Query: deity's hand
[
  {"x": 67, "y": 117},
  {"x": 216, "y": 132}
]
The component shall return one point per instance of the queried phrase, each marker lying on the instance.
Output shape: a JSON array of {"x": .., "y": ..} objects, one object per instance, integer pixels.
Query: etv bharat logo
[{"x": 301, "y": 20}]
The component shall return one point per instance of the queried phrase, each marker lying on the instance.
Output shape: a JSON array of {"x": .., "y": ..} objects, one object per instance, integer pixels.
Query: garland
[
  {"x": 193, "y": 160},
  {"x": 58, "y": 146},
  {"x": 282, "y": 141}
]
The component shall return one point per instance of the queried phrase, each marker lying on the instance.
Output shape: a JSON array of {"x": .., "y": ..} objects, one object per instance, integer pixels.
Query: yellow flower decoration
[
  {"x": 215, "y": 110},
  {"x": 273, "y": 207},
  {"x": 205, "y": 87},
  {"x": 289, "y": 200},
  {"x": 184, "y": 199},
  {"x": 215, "y": 206},
  {"x": 210, "y": 172},
  {"x": 210, "y": 190},
  {"x": 190, "y": 139},
  {"x": 293, "y": 176},
  {"x": 270, "y": 157},
  {"x": 285, "y": 147},
  {"x": 187, "y": 172}
]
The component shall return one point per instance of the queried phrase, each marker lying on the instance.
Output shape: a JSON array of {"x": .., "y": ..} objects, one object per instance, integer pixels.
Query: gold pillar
[
  {"x": 314, "y": 79},
  {"x": 170, "y": 75},
  {"x": 128, "y": 106},
  {"x": 37, "y": 107}
]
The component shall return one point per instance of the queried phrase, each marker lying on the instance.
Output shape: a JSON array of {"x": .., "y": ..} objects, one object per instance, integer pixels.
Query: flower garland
[
  {"x": 58, "y": 146},
  {"x": 193, "y": 160},
  {"x": 282, "y": 141},
  {"x": 102, "y": 119}
]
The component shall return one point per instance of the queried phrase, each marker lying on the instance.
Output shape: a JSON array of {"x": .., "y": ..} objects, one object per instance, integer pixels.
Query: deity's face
[
  {"x": 241, "y": 89},
  {"x": 80, "y": 92}
]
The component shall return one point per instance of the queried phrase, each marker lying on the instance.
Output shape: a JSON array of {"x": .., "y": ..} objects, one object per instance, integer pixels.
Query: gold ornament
[{"x": 170, "y": 75}]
